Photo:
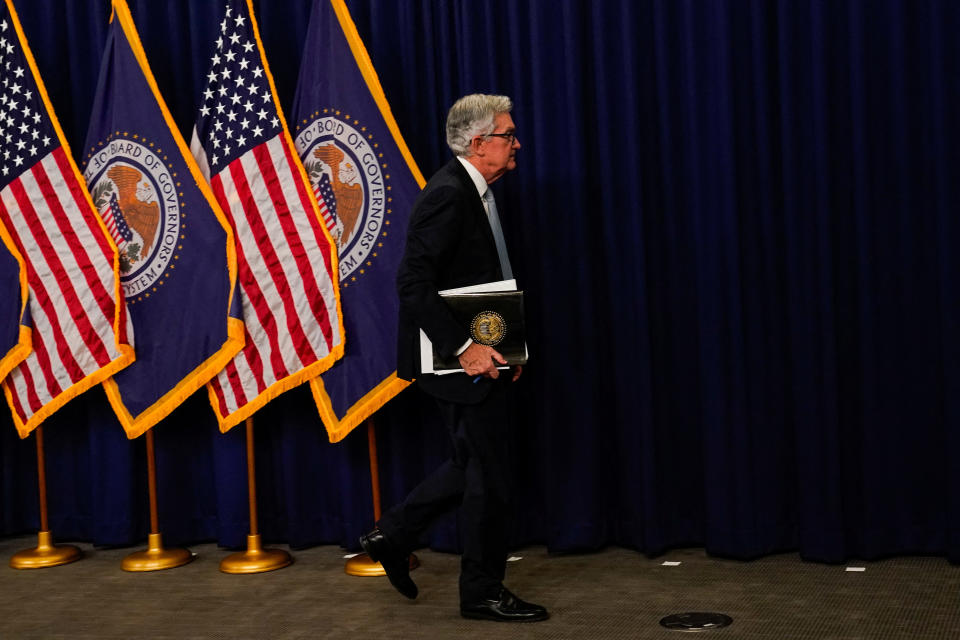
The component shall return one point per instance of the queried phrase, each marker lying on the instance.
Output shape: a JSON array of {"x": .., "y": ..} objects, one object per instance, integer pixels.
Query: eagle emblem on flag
[
  {"x": 350, "y": 185},
  {"x": 126, "y": 185},
  {"x": 135, "y": 193}
]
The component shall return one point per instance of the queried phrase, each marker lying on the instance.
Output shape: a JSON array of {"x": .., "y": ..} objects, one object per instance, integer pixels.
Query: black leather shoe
[
  {"x": 395, "y": 562},
  {"x": 506, "y": 608}
]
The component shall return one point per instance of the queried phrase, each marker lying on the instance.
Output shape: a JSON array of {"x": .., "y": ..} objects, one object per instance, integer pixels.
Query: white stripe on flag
[
  {"x": 18, "y": 387},
  {"x": 247, "y": 380},
  {"x": 260, "y": 289},
  {"x": 66, "y": 320},
  {"x": 43, "y": 325},
  {"x": 307, "y": 239},
  {"x": 89, "y": 251},
  {"x": 262, "y": 292},
  {"x": 62, "y": 326}
]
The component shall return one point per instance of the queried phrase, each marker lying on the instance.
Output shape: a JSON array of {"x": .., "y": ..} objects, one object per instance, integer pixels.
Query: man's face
[{"x": 498, "y": 154}]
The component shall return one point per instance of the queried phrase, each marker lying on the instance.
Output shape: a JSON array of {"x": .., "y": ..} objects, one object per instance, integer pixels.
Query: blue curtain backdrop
[{"x": 735, "y": 222}]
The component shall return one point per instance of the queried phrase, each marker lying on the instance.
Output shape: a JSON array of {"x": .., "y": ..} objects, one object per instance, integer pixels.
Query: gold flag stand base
[
  {"x": 46, "y": 554},
  {"x": 156, "y": 557},
  {"x": 361, "y": 565},
  {"x": 255, "y": 559}
]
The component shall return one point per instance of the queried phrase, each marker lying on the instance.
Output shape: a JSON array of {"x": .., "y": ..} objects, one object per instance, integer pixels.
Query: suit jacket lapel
[{"x": 476, "y": 206}]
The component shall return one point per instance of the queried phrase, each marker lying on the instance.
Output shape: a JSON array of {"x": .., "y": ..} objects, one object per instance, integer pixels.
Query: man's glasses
[{"x": 509, "y": 137}]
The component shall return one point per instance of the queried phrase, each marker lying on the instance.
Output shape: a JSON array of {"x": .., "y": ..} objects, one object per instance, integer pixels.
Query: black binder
[{"x": 494, "y": 319}]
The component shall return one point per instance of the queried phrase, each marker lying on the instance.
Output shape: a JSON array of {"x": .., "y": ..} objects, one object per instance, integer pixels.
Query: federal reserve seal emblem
[
  {"x": 136, "y": 196},
  {"x": 348, "y": 180},
  {"x": 488, "y": 328}
]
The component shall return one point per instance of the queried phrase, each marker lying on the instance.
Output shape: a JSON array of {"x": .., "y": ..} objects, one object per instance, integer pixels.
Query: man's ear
[{"x": 476, "y": 145}]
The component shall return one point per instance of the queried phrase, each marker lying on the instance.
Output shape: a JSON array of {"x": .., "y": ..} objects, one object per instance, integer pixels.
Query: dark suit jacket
[{"x": 449, "y": 245}]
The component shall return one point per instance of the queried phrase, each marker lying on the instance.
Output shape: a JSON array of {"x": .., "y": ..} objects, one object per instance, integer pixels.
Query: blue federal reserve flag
[
  {"x": 14, "y": 332},
  {"x": 365, "y": 181},
  {"x": 177, "y": 254}
]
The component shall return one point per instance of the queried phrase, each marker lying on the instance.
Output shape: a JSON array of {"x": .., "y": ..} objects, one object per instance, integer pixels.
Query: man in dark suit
[{"x": 455, "y": 240}]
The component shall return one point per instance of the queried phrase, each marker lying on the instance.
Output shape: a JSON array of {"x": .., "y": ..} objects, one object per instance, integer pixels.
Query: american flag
[
  {"x": 79, "y": 321},
  {"x": 286, "y": 262},
  {"x": 116, "y": 225}
]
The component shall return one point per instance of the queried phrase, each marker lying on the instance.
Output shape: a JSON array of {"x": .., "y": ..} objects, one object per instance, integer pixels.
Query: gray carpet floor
[{"x": 616, "y": 593}]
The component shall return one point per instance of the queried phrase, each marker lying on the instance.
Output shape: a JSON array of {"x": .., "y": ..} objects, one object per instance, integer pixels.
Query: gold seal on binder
[{"x": 488, "y": 328}]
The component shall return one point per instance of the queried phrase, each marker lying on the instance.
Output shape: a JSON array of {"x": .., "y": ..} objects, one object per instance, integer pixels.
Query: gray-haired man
[{"x": 455, "y": 240}]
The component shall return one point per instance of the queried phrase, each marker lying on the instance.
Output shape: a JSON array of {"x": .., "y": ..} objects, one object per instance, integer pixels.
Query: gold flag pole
[
  {"x": 155, "y": 557},
  {"x": 45, "y": 554},
  {"x": 361, "y": 564},
  {"x": 255, "y": 559}
]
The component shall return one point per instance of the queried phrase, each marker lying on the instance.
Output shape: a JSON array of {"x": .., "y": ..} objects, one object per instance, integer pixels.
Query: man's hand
[
  {"x": 481, "y": 360},
  {"x": 517, "y": 372}
]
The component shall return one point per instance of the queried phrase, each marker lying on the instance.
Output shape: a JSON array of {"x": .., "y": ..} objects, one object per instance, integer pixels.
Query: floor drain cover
[{"x": 696, "y": 621}]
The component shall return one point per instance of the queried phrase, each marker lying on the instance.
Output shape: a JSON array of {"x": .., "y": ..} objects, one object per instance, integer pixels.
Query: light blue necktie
[{"x": 497, "y": 230}]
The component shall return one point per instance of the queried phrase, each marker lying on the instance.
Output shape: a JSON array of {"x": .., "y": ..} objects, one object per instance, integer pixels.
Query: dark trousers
[{"x": 479, "y": 479}]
